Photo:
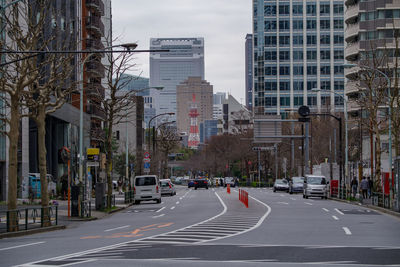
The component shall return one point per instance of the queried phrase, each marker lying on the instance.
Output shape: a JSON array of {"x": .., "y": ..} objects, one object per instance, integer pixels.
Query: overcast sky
[{"x": 223, "y": 24}]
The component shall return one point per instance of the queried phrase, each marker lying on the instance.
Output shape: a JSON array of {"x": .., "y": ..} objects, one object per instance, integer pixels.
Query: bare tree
[{"x": 167, "y": 141}]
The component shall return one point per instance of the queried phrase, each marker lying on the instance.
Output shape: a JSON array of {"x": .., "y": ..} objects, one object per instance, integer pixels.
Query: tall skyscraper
[
  {"x": 249, "y": 71},
  {"x": 168, "y": 69},
  {"x": 297, "y": 46}
]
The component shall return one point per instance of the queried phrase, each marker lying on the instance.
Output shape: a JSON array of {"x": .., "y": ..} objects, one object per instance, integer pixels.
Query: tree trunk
[
  {"x": 109, "y": 164},
  {"x": 41, "y": 125},
  {"x": 13, "y": 163},
  {"x": 378, "y": 152}
]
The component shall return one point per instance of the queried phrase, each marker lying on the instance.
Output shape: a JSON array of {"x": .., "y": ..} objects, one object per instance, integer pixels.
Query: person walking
[
  {"x": 364, "y": 187},
  {"x": 370, "y": 186},
  {"x": 354, "y": 186}
]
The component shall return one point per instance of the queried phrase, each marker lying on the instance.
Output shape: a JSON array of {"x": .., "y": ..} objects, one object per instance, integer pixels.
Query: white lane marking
[
  {"x": 25, "y": 245},
  {"x": 308, "y": 203},
  {"x": 172, "y": 207},
  {"x": 177, "y": 202},
  {"x": 338, "y": 211},
  {"x": 116, "y": 228},
  {"x": 136, "y": 211},
  {"x": 158, "y": 216},
  {"x": 292, "y": 198},
  {"x": 181, "y": 198},
  {"x": 346, "y": 230},
  {"x": 325, "y": 209},
  {"x": 336, "y": 218},
  {"x": 283, "y": 203},
  {"x": 160, "y": 209}
]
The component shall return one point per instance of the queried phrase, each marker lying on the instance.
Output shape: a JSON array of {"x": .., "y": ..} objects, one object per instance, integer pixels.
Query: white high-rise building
[{"x": 168, "y": 69}]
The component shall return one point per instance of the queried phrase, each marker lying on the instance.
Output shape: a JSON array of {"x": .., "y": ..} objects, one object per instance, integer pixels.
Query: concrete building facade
[
  {"x": 297, "y": 46},
  {"x": 202, "y": 92},
  {"x": 169, "y": 69}
]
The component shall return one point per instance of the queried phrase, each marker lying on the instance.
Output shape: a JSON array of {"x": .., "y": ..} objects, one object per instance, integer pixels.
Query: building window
[
  {"x": 325, "y": 39},
  {"x": 311, "y": 100},
  {"x": 298, "y": 85},
  {"x": 338, "y": 85},
  {"x": 325, "y": 54},
  {"x": 325, "y": 70},
  {"x": 284, "y": 40},
  {"x": 270, "y": 25},
  {"x": 284, "y": 85},
  {"x": 338, "y": 70},
  {"x": 270, "y": 71},
  {"x": 311, "y": 9},
  {"x": 298, "y": 40},
  {"x": 270, "y": 101},
  {"x": 325, "y": 100},
  {"x": 325, "y": 24},
  {"x": 338, "y": 39},
  {"x": 311, "y": 40},
  {"x": 270, "y": 85},
  {"x": 284, "y": 55},
  {"x": 311, "y": 85},
  {"x": 270, "y": 10},
  {"x": 338, "y": 24},
  {"x": 270, "y": 40},
  {"x": 284, "y": 25},
  {"x": 311, "y": 70},
  {"x": 270, "y": 55},
  {"x": 326, "y": 85},
  {"x": 284, "y": 9},
  {"x": 285, "y": 101},
  {"x": 298, "y": 70},
  {"x": 312, "y": 55},
  {"x": 338, "y": 9},
  {"x": 298, "y": 100},
  {"x": 339, "y": 101},
  {"x": 284, "y": 70},
  {"x": 311, "y": 24},
  {"x": 297, "y": 9},
  {"x": 297, "y": 55},
  {"x": 297, "y": 25},
  {"x": 324, "y": 9},
  {"x": 338, "y": 55}
]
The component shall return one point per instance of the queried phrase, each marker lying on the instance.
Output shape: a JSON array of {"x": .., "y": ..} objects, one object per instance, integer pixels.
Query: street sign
[
  {"x": 93, "y": 151},
  {"x": 147, "y": 165},
  {"x": 146, "y": 160},
  {"x": 263, "y": 148},
  {"x": 92, "y": 164},
  {"x": 146, "y": 155}
]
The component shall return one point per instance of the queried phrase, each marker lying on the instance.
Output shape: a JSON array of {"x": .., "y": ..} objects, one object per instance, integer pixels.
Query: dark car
[
  {"x": 296, "y": 185},
  {"x": 200, "y": 183},
  {"x": 191, "y": 183},
  {"x": 281, "y": 185}
]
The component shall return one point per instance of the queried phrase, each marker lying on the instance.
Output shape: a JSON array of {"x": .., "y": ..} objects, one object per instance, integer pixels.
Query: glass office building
[{"x": 298, "y": 46}]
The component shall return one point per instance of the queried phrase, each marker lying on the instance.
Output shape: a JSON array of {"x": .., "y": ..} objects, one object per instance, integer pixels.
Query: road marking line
[
  {"x": 308, "y": 203},
  {"x": 325, "y": 209},
  {"x": 136, "y": 211},
  {"x": 25, "y": 245},
  {"x": 292, "y": 198},
  {"x": 181, "y": 198},
  {"x": 177, "y": 202},
  {"x": 172, "y": 207},
  {"x": 116, "y": 228},
  {"x": 158, "y": 216},
  {"x": 336, "y": 218},
  {"x": 160, "y": 209},
  {"x": 283, "y": 203},
  {"x": 338, "y": 211},
  {"x": 346, "y": 230}
]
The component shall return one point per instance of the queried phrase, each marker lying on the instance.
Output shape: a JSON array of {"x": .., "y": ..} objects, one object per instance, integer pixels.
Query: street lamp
[
  {"x": 162, "y": 114},
  {"x": 346, "y": 151},
  {"x": 389, "y": 120}
]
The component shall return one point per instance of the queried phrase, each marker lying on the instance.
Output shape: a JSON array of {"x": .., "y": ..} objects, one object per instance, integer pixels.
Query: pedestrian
[
  {"x": 354, "y": 186},
  {"x": 31, "y": 194},
  {"x": 370, "y": 187},
  {"x": 364, "y": 187},
  {"x": 236, "y": 182},
  {"x": 120, "y": 186},
  {"x": 222, "y": 182}
]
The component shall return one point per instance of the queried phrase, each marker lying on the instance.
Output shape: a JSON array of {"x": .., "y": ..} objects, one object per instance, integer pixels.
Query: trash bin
[{"x": 75, "y": 193}]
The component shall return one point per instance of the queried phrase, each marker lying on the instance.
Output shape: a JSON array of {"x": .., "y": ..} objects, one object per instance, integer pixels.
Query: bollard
[
  {"x": 247, "y": 200},
  {"x": 228, "y": 188}
]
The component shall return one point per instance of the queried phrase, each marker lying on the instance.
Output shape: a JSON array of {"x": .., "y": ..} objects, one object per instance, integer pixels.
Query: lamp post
[
  {"x": 162, "y": 114},
  {"x": 346, "y": 142},
  {"x": 389, "y": 121}
]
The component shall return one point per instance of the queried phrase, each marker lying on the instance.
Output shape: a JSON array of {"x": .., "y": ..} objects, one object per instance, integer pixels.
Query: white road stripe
[
  {"x": 292, "y": 198},
  {"x": 181, "y": 198},
  {"x": 346, "y": 230},
  {"x": 177, "y": 202},
  {"x": 283, "y": 203},
  {"x": 160, "y": 209},
  {"x": 158, "y": 216},
  {"x": 172, "y": 207},
  {"x": 20, "y": 246},
  {"x": 308, "y": 203},
  {"x": 325, "y": 209},
  {"x": 338, "y": 211},
  {"x": 116, "y": 228},
  {"x": 336, "y": 218}
]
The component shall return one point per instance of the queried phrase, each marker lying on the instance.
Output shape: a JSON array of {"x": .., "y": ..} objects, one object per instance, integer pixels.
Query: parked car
[
  {"x": 191, "y": 183},
  {"x": 200, "y": 183},
  {"x": 315, "y": 186},
  {"x": 296, "y": 185},
  {"x": 167, "y": 187},
  {"x": 147, "y": 187},
  {"x": 229, "y": 180},
  {"x": 281, "y": 185}
]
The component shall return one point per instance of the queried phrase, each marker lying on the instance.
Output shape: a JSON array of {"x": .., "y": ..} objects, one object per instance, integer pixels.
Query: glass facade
[{"x": 299, "y": 47}]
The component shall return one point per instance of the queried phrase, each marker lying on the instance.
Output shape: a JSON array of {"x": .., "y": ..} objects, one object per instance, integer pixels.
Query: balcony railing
[
  {"x": 352, "y": 49},
  {"x": 352, "y": 30},
  {"x": 94, "y": 23},
  {"x": 94, "y": 44},
  {"x": 351, "y": 12}
]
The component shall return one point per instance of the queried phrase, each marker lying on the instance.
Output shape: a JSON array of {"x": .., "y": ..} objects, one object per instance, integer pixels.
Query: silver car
[
  {"x": 315, "y": 186},
  {"x": 167, "y": 187}
]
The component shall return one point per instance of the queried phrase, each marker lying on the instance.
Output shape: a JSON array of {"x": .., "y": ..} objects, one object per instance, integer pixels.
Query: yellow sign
[{"x": 93, "y": 151}]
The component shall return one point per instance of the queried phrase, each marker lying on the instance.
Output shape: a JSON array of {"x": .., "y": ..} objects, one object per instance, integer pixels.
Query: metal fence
[
  {"x": 28, "y": 218},
  {"x": 105, "y": 200},
  {"x": 129, "y": 197}
]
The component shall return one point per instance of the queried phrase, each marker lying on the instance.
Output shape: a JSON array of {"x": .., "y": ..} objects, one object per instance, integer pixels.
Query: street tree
[{"x": 167, "y": 142}]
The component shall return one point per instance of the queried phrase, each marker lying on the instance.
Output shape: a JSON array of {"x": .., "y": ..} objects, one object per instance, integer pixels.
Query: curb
[
  {"x": 32, "y": 231},
  {"x": 372, "y": 207}
]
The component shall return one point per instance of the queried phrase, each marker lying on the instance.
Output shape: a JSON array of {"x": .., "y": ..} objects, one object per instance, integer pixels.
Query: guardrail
[
  {"x": 129, "y": 197},
  {"x": 28, "y": 218},
  {"x": 105, "y": 198}
]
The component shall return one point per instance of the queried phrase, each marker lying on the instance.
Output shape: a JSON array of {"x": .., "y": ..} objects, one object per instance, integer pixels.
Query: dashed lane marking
[
  {"x": 336, "y": 218},
  {"x": 177, "y": 202},
  {"x": 173, "y": 207},
  {"x": 308, "y": 203},
  {"x": 24, "y": 245},
  {"x": 160, "y": 209},
  {"x": 325, "y": 209},
  {"x": 346, "y": 230},
  {"x": 116, "y": 228},
  {"x": 158, "y": 216},
  {"x": 283, "y": 203},
  {"x": 338, "y": 211}
]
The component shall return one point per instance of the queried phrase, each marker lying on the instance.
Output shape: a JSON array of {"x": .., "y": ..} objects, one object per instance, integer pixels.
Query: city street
[{"x": 213, "y": 228}]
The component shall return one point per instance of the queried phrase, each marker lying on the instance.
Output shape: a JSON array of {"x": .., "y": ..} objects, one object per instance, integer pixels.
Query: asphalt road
[{"x": 212, "y": 228}]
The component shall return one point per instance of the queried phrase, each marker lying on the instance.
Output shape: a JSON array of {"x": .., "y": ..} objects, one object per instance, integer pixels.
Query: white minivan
[
  {"x": 315, "y": 186},
  {"x": 147, "y": 187}
]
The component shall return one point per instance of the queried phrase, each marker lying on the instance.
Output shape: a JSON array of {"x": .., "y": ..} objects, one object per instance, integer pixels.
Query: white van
[
  {"x": 315, "y": 186},
  {"x": 147, "y": 187}
]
